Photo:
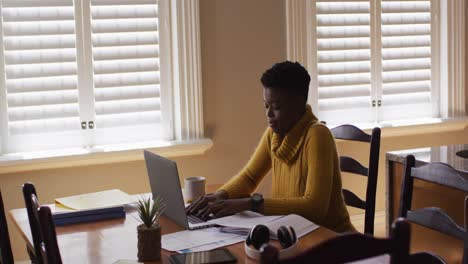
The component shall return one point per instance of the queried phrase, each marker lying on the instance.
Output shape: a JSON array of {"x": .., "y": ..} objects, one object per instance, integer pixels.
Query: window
[
  {"x": 85, "y": 73},
  {"x": 370, "y": 61}
]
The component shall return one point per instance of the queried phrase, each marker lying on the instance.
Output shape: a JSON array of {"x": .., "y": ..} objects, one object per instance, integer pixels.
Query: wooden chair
[
  {"x": 6, "y": 255},
  {"x": 349, "y": 247},
  {"x": 433, "y": 217},
  {"x": 49, "y": 248},
  {"x": 350, "y": 165},
  {"x": 42, "y": 228}
]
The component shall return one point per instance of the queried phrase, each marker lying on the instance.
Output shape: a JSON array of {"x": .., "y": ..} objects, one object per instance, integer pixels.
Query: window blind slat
[
  {"x": 343, "y": 43},
  {"x": 22, "y": 14},
  {"x": 343, "y": 20},
  {"x": 128, "y": 119},
  {"x": 406, "y": 87},
  {"x": 36, "y": 3},
  {"x": 125, "y": 79},
  {"x": 134, "y": 11},
  {"x": 126, "y": 52},
  {"x": 43, "y": 112},
  {"x": 344, "y": 67},
  {"x": 42, "y": 84},
  {"x": 125, "y": 39},
  {"x": 127, "y": 106},
  {"x": 38, "y": 28},
  {"x": 343, "y": 55},
  {"x": 50, "y": 69},
  {"x": 44, "y": 126},
  {"x": 131, "y": 92},
  {"x": 39, "y": 42},
  {"x": 125, "y": 66},
  {"x": 39, "y": 98},
  {"x": 125, "y": 25},
  {"x": 344, "y": 91},
  {"x": 407, "y": 41},
  {"x": 151, "y": 3},
  {"x": 39, "y": 56}
]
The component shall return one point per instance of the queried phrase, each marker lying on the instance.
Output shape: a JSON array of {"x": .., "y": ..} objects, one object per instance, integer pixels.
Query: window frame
[
  {"x": 182, "y": 80},
  {"x": 300, "y": 27}
]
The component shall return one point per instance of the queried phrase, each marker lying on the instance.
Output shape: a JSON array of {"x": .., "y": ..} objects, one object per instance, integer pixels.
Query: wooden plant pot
[{"x": 149, "y": 242}]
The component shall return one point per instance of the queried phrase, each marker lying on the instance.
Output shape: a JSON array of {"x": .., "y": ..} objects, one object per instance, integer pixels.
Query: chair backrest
[
  {"x": 42, "y": 229},
  {"x": 350, "y": 247},
  {"x": 433, "y": 217},
  {"x": 49, "y": 248},
  {"x": 350, "y": 165},
  {"x": 32, "y": 206},
  {"x": 6, "y": 255}
]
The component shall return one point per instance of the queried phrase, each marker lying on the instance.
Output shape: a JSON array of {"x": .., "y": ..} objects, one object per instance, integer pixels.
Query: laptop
[{"x": 164, "y": 182}]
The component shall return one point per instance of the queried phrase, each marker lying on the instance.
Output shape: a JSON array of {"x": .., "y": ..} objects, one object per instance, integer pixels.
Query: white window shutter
[
  {"x": 406, "y": 60},
  {"x": 126, "y": 71},
  {"x": 40, "y": 74},
  {"x": 343, "y": 57}
]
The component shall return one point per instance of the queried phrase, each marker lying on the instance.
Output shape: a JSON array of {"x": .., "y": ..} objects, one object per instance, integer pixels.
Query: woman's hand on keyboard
[
  {"x": 220, "y": 208},
  {"x": 203, "y": 201}
]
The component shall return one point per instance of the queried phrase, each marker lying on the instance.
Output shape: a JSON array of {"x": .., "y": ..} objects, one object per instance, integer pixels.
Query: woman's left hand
[{"x": 220, "y": 208}]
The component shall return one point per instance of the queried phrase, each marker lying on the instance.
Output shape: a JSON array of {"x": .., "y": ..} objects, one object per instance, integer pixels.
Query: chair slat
[
  {"x": 434, "y": 218},
  {"x": 350, "y": 132},
  {"x": 348, "y": 164},
  {"x": 442, "y": 173},
  {"x": 353, "y": 200}
]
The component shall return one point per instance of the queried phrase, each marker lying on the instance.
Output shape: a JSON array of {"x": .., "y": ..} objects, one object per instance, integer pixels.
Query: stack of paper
[
  {"x": 95, "y": 200},
  {"x": 243, "y": 222},
  {"x": 90, "y": 207}
]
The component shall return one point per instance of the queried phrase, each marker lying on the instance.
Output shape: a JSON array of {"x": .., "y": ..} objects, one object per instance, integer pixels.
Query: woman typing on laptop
[{"x": 299, "y": 151}]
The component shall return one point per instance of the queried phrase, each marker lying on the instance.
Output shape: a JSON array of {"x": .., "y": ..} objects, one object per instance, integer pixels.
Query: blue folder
[{"x": 84, "y": 216}]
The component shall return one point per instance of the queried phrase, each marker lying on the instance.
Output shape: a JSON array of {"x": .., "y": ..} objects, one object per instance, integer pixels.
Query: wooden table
[
  {"x": 111, "y": 240},
  {"x": 426, "y": 194}
]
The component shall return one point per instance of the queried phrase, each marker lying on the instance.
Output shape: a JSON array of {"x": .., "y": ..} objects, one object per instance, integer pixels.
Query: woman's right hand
[{"x": 203, "y": 201}]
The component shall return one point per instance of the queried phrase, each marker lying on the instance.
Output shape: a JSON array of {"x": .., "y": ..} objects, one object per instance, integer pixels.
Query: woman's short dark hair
[{"x": 288, "y": 76}]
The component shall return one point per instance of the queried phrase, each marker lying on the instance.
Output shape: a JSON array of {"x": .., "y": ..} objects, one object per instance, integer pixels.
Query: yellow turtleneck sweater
[{"x": 305, "y": 171}]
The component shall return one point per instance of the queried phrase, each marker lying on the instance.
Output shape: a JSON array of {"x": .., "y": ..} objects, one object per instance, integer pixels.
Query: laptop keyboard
[{"x": 194, "y": 220}]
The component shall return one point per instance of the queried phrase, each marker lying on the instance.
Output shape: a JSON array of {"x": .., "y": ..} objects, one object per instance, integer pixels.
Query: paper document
[
  {"x": 218, "y": 244},
  {"x": 301, "y": 225},
  {"x": 95, "y": 200},
  {"x": 246, "y": 219},
  {"x": 241, "y": 223},
  {"x": 194, "y": 238}
]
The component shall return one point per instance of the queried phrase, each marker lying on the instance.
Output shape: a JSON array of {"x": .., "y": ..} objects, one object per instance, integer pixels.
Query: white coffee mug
[{"x": 194, "y": 187}]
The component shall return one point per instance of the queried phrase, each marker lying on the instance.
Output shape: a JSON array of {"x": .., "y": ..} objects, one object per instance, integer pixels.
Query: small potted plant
[{"x": 149, "y": 232}]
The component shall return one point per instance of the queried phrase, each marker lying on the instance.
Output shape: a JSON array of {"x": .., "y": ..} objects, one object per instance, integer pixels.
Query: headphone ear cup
[
  {"x": 259, "y": 235},
  {"x": 286, "y": 236},
  {"x": 293, "y": 234}
]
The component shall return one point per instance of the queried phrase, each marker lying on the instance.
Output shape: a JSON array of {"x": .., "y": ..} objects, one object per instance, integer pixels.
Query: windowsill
[
  {"x": 402, "y": 128},
  {"x": 405, "y": 124},
  {"x": 18, "y": 162}
]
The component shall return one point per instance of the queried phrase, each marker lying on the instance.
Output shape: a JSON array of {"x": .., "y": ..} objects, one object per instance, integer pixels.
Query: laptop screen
[{"x": 165, "y": 183}]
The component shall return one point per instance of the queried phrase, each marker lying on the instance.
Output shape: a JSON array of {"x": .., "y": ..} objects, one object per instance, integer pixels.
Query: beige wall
[{"x": 240, "y": 39}]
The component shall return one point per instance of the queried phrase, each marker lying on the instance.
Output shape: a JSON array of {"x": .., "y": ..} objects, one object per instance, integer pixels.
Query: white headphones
[{"x": 260, "y": 234}]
